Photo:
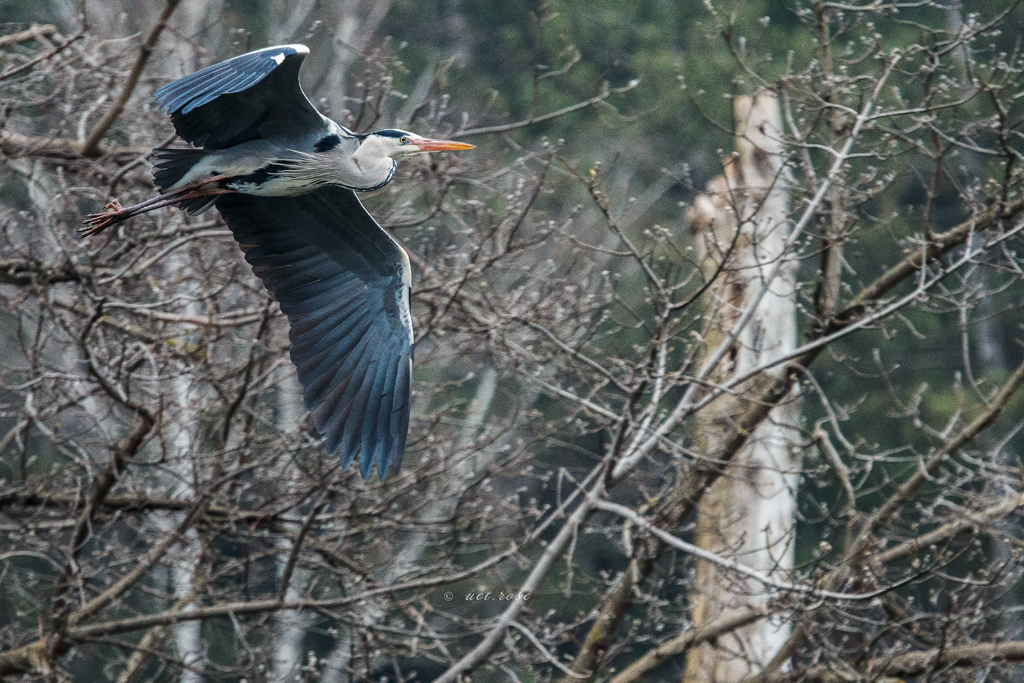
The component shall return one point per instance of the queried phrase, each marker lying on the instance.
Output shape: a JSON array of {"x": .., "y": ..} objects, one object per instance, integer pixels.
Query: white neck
[{"x": 373, "y": 162}]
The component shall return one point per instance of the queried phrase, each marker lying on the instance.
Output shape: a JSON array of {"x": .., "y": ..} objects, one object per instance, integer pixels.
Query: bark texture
[{"x": 748, "y": 514}]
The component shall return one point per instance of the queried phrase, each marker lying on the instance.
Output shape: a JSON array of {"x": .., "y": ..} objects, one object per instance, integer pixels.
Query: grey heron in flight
[{"x": 284, "y": 178}]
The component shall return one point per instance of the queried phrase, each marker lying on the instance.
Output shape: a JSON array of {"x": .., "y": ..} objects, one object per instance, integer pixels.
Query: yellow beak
[{"x": 429, "y": 145}]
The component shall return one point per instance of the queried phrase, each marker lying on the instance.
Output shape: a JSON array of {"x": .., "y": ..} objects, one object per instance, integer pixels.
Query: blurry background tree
[{"x": 167, "y": 512}]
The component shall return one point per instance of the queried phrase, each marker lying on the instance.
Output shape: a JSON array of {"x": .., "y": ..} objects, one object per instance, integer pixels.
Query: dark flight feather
[
  {"x": 339, "y": 278},
  {"x": 241, "y": 99}
]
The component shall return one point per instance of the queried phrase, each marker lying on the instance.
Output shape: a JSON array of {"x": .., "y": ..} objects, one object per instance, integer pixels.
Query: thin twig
[{"x": 91, "y": 147}]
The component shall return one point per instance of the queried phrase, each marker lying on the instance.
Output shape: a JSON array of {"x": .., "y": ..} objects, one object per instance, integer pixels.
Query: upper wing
[
  {"x": 239, "y": 99},
  {"x": 344, "y": 284}
]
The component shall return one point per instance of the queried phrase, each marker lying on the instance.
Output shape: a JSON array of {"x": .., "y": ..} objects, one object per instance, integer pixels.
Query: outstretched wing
[
  {"x": 243, "y": 98},
  {"x": 344, "y": 284}
]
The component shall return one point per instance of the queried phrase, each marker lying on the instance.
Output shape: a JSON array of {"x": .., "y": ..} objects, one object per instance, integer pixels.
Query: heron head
[{"x": 399, "y": 143}]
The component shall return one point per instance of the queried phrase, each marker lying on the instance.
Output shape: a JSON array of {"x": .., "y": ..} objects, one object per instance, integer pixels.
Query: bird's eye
[{"x": 404, "y": 139}]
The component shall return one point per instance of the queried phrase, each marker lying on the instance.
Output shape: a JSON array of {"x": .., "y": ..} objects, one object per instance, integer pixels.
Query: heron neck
[{"x": 374, "y": 166}]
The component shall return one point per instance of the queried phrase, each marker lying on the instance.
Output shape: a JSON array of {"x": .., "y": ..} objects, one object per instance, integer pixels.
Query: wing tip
[
  {"x": 284, "y": 52},
  {"x": 296, "y": 48},
  {"x": 168, "y": 100},
  {"x": 381, "y": 457}
]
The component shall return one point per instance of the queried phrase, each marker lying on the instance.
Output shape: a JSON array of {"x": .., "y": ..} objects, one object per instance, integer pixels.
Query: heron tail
[{"x": 170, "y": 165}]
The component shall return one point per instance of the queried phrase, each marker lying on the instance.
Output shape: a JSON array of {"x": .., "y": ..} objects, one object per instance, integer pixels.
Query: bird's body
[
  {"x": 283, "y": 177},
  {"x": 286, "y": 165}
]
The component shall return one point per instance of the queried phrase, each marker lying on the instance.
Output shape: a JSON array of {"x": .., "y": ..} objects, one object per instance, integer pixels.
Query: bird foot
[
  {"x": 96, "y": 223},
  {"x": 113, "y": 213}
]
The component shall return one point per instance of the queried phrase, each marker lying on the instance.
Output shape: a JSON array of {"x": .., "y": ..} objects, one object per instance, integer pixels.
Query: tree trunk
[
  {"x": 291, "y": 625},
  {"x": 186, "y": 569},
  {"x": 178, "y": 481},
  {"x": 748, "y": 514}
]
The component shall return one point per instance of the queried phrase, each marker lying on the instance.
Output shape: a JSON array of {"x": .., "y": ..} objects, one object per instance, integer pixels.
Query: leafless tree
[{"x": 581, "y": 401}]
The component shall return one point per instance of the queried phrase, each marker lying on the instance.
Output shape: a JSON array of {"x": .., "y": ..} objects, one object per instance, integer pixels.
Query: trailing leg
[{"x": 113, "y": 213}]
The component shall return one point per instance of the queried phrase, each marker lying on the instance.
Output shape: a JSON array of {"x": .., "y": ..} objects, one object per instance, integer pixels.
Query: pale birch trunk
[
  {"x": 291, "y": 625},
  {"x": 748, "y": 514},
  {"x": 181, "y": 475},
  {"x": 178, "y": 482}
]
